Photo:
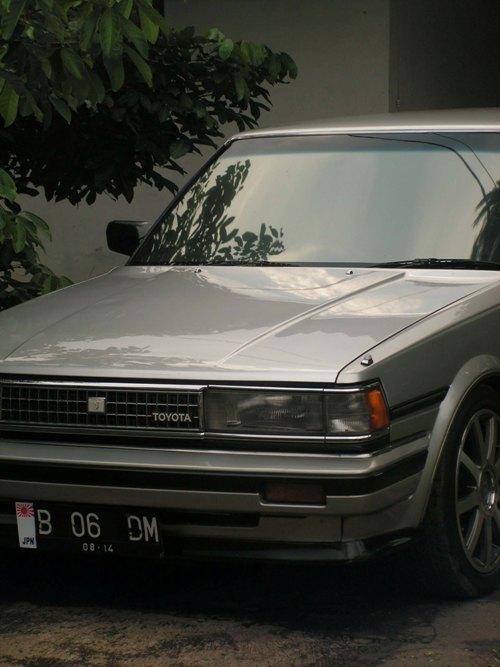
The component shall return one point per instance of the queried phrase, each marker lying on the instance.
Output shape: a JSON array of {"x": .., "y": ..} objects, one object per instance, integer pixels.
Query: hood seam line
[{"x": 306, "y": 314}]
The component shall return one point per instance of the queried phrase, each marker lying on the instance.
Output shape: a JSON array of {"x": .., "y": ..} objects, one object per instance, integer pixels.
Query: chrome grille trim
[
  {"x": 84, "y": 384},
  {"x": 129, "y": 406}
]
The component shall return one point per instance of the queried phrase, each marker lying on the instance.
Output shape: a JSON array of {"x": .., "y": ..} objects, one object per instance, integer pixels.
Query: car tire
[{"x": 458, "y": 553}]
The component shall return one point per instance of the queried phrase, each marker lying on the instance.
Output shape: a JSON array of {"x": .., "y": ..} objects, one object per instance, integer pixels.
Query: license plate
[{"x": 88, "y": 529}]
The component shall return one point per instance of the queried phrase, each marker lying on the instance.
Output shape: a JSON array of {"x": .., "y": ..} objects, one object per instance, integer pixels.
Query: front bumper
[{"x": 213, "y": 501}]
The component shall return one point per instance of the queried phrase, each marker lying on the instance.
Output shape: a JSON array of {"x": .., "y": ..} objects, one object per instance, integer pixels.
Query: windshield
[{"x": 339, "y": 199}]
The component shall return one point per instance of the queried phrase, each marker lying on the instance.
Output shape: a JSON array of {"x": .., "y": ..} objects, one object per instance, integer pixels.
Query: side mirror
[{"x": 124, "y": 236}]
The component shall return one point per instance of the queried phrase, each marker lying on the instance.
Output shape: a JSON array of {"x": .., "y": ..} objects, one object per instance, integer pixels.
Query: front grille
[{"x": 141, "y": 408}]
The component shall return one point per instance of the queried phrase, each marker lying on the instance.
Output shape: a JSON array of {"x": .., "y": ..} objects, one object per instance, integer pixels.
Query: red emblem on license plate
[{"x": 25, "y": 510}]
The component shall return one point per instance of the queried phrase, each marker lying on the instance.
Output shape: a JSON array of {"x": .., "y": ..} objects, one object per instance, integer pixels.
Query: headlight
[
  {"x": 272, "y": 412},
  {"x": 296, "y": 413}
]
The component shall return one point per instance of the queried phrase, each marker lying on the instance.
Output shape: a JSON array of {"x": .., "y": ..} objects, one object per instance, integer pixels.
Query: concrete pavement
[{"x": 137, "y": 613}]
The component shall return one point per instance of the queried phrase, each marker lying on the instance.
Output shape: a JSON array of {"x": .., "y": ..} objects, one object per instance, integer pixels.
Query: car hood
[{"x": 260, "y": 323}]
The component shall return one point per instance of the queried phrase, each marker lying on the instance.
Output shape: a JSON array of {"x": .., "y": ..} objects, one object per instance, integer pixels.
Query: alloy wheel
[{"x": 477, "y": 493}]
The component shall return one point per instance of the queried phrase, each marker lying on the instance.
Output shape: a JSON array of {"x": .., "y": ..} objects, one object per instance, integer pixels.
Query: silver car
[{"x": 301, "y": 359}]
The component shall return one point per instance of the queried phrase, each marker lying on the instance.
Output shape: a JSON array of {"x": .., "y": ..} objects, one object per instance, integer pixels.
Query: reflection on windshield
[
  {"x": 200, "y": 231},
  {"x": 337, "y": 199},
  {"x": 487, "y": 243}
]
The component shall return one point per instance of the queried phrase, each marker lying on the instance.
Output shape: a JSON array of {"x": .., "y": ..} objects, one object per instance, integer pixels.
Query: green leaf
[
  {"x": 246, "y": 53},
  {"x": 31, "y": 233},
  {"x": 18, "y": 236},
  {"x": 9, "y": 104},
  {"x": 240, "y": 86},
  {"x": 164, "y": 114},
  {"x": 259, "y": 54},
  {"x": 110, "y": 33},
  {"x": 95, "y": 88},
  {"x": 136, "y": 36},
  {"x": 61, "y": 107},
  {"x": 10, "y": 18},
  {"x": 88, "y": 30},
  {"x": 274, "y": 66},
  {"x": 178, "y": 148},
  {"x": 185, "y": 101},
  {"x": 226, "y": 48},
  {"x": 106, "y": 32},
  {"x": 47, "y": 284},
  {"x": 40, "y": 225},
  {"x": 116, "y": 72},
  {"x": 253, "y": 54},
  {"x": 154, "y": 16},
  {"x": 126, "y": 7},
  {"x": 72, "y": 63},
  {"x": 4, "y": 219},
  {"x": 290, "y": 65},
  {"x": 143, "y": 68},
  {"x": 7, "y": 186},
  {"x": 60, "y": 282},
  {"x": 64, "y": 281},
  {"x": 46, "y": 66},
  {"x": 215, "y": 35},
  {"x": 149, "y": 28}
]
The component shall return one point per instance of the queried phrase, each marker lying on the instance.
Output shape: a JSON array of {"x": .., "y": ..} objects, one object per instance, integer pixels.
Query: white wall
[{"x": 342, "y": 51}]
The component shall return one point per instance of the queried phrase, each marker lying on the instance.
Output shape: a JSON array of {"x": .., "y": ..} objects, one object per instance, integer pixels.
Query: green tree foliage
[
  {"x": 99, "y": 96},
  {"x": 22, "y": 275}
]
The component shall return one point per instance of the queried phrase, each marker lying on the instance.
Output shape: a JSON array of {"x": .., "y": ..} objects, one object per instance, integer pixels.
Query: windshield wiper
[
  {"x": 259, "y": 263},
  {"x": 437, "y": 263},
  {"x": 233, "y": 263}
]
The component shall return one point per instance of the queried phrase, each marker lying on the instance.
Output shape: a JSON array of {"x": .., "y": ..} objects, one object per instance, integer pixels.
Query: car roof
[{"x": 455, "y": 120}]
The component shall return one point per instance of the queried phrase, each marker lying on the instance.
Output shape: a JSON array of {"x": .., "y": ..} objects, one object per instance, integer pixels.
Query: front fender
[{"x": 470, "y": 375}]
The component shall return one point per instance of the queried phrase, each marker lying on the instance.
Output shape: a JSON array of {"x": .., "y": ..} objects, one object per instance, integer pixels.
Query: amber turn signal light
[{"x": 379, "y": 414}]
